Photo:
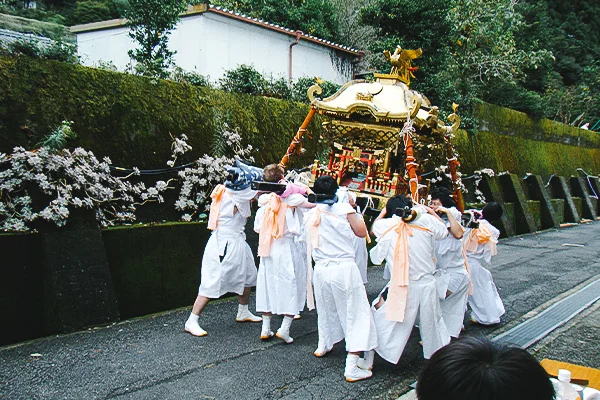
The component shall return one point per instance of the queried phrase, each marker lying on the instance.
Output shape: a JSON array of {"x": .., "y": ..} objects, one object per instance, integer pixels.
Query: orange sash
[
  {"x": 273, "y": 225},
  {"x": 398, "y": 289},
  {"x": 478, "y": 236},
  {"x": 215, "y": 206}
]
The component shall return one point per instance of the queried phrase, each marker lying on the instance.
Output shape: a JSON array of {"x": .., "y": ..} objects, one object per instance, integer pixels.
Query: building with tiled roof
[{"x": 210, "y": 40}]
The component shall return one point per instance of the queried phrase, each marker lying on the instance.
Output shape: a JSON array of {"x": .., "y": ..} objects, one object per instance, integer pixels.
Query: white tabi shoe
[
  {"x": 194, "y": 329},
  {"x": 284, "y": 335},
  {"x": 321, "y": 350},
  {"x": 266, "y": 335},
  {"x": 244, "y": 315},
  {"x": 352, "y": 372},
  {"x": 366, "y": 363},
  {"x": 297, "y": 316}
]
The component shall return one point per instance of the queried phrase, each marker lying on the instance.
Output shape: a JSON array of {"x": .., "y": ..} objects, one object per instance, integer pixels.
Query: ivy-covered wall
[{"x": 130, "y": 119}]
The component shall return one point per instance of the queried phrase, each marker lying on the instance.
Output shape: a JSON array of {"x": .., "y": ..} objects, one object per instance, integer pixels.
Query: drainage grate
[{"x": 534, "y": 329}]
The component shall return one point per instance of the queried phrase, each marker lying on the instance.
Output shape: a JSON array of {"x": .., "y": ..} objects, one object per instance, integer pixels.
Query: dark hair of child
[
  {"x": 325, "y": 185},
  {"x": 474, "y": 368},
  {"x": 443, "y": 195},
  {"x": 273, "y": 173},
  {"x": 492, "y": 211}
]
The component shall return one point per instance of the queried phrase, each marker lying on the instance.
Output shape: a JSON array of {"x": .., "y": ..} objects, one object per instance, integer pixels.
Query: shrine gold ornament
[{"x": 373, "y": 123}]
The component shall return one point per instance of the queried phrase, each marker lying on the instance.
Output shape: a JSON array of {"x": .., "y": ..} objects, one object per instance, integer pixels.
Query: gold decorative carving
[
  {"x": 401, "y": 62},
  {"x": 364, "y": 96}
]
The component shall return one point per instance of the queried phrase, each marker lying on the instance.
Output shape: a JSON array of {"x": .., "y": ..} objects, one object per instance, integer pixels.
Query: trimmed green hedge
[
  {"x": 520, "y": 156},
  {"x": 504, "y": 121},
  {"x": 129, "y": 118},
  {"x": 155, "y": 268}
]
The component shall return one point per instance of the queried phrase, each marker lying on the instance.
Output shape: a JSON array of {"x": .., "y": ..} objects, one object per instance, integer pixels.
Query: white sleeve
[
  {"x": 295, "y": 200},
  {"x": 379, "y": 227},
  {"x": 379, "y": 252},
  {"x": 258, "y": 220}
]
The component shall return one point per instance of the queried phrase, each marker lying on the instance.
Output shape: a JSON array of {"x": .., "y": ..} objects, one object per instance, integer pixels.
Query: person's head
[
  {"x": 395, "y": 202},
  {"x": 492, "y": 211},
  {"x": 441, "y": 196},
  {"x": 273, "y": 173},
  {"x": 325, "y": 185},
  {"x": 475, "y": 368}
]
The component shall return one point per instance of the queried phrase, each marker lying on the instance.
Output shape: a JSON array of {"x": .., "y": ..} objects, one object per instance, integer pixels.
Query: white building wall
[{"x": 211, "y": 44}]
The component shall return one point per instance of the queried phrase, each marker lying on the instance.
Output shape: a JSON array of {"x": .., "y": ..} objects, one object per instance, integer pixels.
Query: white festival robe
[
  {"x": 343, "y": 310},
  {"x": 486, "y": 305},
  {"x": 422, "y": 298},
  {"x": 227, "y": 263},
  {"x": 452, "y": 275},
  {"x": 277, "y": 287}
]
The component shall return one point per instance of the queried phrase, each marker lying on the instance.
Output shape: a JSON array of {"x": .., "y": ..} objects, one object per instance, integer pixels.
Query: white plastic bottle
[{"x": 566, "y": 391}]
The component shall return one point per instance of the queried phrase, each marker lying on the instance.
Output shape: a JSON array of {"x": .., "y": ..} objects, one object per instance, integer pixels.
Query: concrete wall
[{"x": 210, "y": 44}]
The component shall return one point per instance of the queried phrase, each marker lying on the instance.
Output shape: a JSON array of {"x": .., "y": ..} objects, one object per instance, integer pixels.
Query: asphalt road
[{"x": 152, "y": 357}]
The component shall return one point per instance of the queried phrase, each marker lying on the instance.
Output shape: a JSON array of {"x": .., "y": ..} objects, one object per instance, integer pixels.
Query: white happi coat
[
  {"x": 227, "y": 263},
  {"x": 422, "y": 299},
  {"x": 486, "y": 305},
  {"x": 277, "y": 287},
  {"x": 341, "y": 299},
  {"x": 452, "y": 275}
]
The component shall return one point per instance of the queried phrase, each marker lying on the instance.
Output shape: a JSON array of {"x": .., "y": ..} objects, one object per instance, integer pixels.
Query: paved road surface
[{"x": 152, "y": 357}]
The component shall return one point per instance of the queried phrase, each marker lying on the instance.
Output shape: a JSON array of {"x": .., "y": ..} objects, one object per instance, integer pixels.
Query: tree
[
  {"x": 313, "y": 17},
  {"x": 150, "y": 22},
  {"x": 91, "y": 11}
]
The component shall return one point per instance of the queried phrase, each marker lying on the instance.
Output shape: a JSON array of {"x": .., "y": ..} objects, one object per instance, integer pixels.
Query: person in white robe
[
  {"x": 277, "y": 285},
  {"x": 452, "y": 274},
  {"x": 480, "y": 245},
  {"x": 408, "y": 247},
  {"x": 278, "y": 225},
  {"x": 343, "y": 310},
  {"x": 227, "y": 263}
]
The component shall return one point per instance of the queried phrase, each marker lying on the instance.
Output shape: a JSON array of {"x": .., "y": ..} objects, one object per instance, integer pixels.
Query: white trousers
[
  {"x": 486, "y": 305},
  {"x": 343, "y": 310},
  {"x": 422, "y": 302},
  {"x": 456, "y": 280}
]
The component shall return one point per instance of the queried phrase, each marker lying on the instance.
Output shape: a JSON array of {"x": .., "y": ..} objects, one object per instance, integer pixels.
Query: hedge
[{"x": 130, "y": 119}]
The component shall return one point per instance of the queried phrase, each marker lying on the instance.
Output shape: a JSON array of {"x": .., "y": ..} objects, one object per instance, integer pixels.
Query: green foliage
[
  {"x": 57, "y": 140},
  {"x": 191, "y": 78},
  {"x": 150, "y": 22},
  {"x": 131, "y": 119},
  {"x": 302, "y": 85},
  {"x": 244, "y": 79},
  {"x": 313, "y": 17},
  {"x": 51, "y": 29},
  {"x": 87, "y": 11},
  {"x": 58, "y": 50}
]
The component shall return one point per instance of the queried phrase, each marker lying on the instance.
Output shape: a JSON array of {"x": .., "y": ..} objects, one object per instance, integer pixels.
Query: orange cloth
[
  {"x": 215, "y": 206},
  {"x": 481, "y": 235},
  {"x": 273, "y": 225},
  {"x": 398, "y": 289}
]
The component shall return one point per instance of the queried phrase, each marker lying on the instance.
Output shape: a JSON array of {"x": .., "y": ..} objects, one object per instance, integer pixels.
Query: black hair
[
  {"x": 475, "y": 368},
  {"x": 397, "y": 201},
  {"x": 492, "y": 211},
  {"x": 443, "y": 195},
  {"x": 325, "y": 185}
]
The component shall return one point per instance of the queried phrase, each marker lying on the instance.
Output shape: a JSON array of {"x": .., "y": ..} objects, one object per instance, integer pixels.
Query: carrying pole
[{"x": 296, "y": 144}]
